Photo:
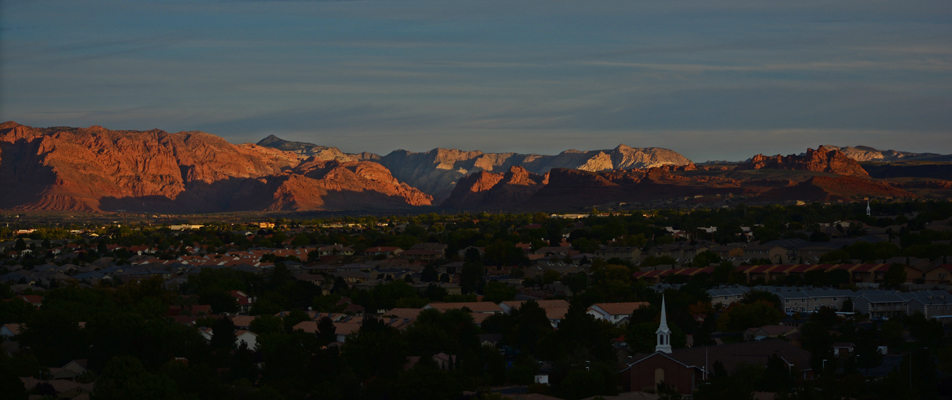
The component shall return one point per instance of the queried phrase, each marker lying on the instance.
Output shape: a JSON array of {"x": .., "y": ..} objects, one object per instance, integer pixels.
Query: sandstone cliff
[
  {"x": 819, "y": 160},
  {"x": 96, "y": 169}
]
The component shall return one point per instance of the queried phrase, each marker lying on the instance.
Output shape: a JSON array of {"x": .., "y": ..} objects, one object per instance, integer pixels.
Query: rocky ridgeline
[
  {"x": 819, "y": 160},
  {"x": 96, "y": 169},
  {"x": 437, "y": 172}
]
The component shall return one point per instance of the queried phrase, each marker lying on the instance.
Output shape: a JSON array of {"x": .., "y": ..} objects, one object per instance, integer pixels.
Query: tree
[
  {"x": 722, "y": 385},
  {"x": 581, "y": 383},
  {"x": 223, "y": 334},
  {"x": 497, "y": 292},
  {"x": 471, "y": 277},
  {"x": 124, "y": 377},
  {"x": 895, "y": 276},
  {"x": 376, "y": 349},
  {"x": 705, "y": 258},
  {"x": 326, "y": 330},
  {"x": 293, "y": 318},
  {"x": 429, "y": 274},
  {"x": 11, "y": 386},
  {"x": 754, "y": 296},
  {"x": 550, "y": 276},
  {"x": 742, "y": 316},
  {"x": 776, "y": 377},
  {"x": 265, "y": 324},
  {"x": 722, "y": 272}
]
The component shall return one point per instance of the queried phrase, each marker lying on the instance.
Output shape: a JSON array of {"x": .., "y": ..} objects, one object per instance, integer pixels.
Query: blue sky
[{"x": 712, "y": 79}]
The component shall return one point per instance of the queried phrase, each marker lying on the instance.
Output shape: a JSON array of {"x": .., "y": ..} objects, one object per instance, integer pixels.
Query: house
[
  {"x": 941, "y": 274},
  {"x": 476, "y": 307},
  {"x": 843, "y": 349},
  {"x": 810, "y": 300},
  {"x": 385, "y": 251},
  {"x": 509, "y": 306},
  {"x": 727, "y": 295},
  {"x": 10, "y": 330},
  {"x": 243, "y": 321},
  {"x": 421, "y": 255},
  {"x": 445, "y": 362},
  {"x": 728, "y": 251},
  {"x": 770, "y": 332},
  {"x": 64, "y": 388},
  {"x": 775, "y": 253},
  {"x": 242, "y": 300},
  {"x": 632, "y": 254},
  {"x": 930, "y": 303},
  {"x": 555, "y": 310},
  {"x": 71, "y": 370},
  {"x": 880, "y": 305},
  {"x": 189, "y": 310},
  {"x": 405, "y": 313},
  {"x": 425, "y": 252},
  {"x": 33, "y": 299},
  {"x": 335, "y": 249},
  {"x": 248, "y": 338},
  {"x": 614, "y": 312},
  {"x": 314, "y": 279}
]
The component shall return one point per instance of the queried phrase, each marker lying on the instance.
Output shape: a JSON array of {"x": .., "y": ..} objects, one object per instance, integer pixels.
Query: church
[{"x": 685, "y": 369}]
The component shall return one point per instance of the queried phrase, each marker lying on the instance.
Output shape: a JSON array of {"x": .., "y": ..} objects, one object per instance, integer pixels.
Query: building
[
  {"x": 242, "y": 300},
  {"x": 476, "y": 307},
  {"x": 632, "y": 254},
  {"x": 614, "y": 312},
  {"x": 880, "y": 305},
  {"x": 728, "y": 295},
  {"x": 555, "y": 310},
  {"x": 938, "y": 275},
  {"x": 685, "y": 369},
  {"x": 770, "y": 332}
]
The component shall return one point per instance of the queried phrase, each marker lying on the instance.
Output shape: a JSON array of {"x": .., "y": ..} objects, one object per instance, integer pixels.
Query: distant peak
[{"x": 270, "y": 140}]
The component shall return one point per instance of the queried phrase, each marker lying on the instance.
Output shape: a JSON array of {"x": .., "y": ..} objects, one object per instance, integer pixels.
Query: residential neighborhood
[{"x": 491, "y": 306}]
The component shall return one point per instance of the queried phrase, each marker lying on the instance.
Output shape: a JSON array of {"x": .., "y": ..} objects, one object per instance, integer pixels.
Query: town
[{"x": 831, "y": 301}]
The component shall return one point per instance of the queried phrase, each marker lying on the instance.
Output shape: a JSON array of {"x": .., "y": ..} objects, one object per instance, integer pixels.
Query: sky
[{"x": 713, "y": 80}]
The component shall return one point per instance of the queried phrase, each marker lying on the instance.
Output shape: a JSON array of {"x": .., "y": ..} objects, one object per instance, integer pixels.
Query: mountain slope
[
  {"x": 487, "y": 190},
  {"x": 96, "y": 169}
]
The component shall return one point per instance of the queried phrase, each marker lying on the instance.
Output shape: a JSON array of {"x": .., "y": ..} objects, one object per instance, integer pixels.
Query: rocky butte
[{"x": 819, "y": 160}]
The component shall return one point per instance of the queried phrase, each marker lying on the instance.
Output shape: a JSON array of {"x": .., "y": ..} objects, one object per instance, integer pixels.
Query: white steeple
[
  {"x": 869, "y": 211},
  {"x": 664, "y": 334}
]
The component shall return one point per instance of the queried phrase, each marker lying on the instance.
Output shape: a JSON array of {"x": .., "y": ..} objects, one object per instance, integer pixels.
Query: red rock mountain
[
  {"x": 819, "y": 160},
  {"x": 487, "y": 190},
  {"x": 96, "y": 169}
]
